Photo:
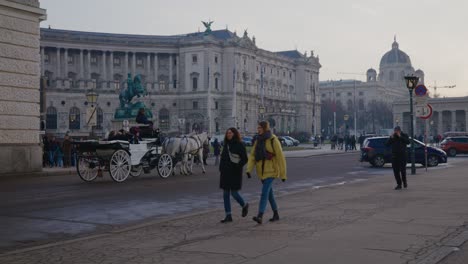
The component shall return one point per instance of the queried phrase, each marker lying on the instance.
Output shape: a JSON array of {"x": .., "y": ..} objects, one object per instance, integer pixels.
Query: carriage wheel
[
  {"x": 165, "y": 166},
  {"x": 119, "y": 165},
  {"x": 136, "y": 171},
  {"x": 87, "y": 168}
]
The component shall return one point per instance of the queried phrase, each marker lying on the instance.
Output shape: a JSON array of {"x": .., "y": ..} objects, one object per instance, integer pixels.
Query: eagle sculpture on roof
[{"x": 207, "y": 26}]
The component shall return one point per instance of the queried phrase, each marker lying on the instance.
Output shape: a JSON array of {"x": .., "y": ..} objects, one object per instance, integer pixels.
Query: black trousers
[{"x": 399, "y": 169}]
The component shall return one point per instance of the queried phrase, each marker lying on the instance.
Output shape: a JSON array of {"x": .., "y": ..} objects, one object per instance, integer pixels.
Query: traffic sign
[
  {"x": 346, "y": 117},
  {"x": 424, "y": 111},
  {"x": 420, "y": 90}
]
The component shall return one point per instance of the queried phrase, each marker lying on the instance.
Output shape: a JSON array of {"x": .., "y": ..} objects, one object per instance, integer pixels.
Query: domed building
[
  {"x": 394, "y": 66},
  {"x": 380, "y": 90}
]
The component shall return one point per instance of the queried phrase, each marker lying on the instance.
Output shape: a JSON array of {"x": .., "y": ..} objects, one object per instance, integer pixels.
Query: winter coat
[
  {"x": 398, "y": 144},
  {"x": 67, "y": 146},
  {"x": 231, "y": 173},
  {"x": 216, "y": 148},
  {"x": 274, "y": 168}
]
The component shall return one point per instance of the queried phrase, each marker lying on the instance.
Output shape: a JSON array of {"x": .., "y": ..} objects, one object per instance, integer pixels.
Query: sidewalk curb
[
  {"x": 324, "y": 154},
  {"x": 445, "y": 248},
  {"x": 38, "y": 174}
]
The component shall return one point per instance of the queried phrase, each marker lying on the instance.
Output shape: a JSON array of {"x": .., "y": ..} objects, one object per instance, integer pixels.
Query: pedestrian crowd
[
  {"x": 58, "y": 153},
  {"x": 340, "y": 142}
]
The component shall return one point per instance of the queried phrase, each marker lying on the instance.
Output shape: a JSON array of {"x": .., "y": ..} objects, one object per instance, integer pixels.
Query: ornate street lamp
[
  {"x": 411, "y": 82},
  {"x": 261, "y": 109},
  {"x": 91, "y": 97}
]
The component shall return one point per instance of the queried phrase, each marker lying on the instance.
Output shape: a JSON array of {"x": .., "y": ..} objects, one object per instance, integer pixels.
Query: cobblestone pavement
[{"x": 364, "y": 222}]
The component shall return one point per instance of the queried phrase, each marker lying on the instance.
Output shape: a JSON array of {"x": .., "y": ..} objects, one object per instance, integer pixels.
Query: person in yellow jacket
[{"x": 268, "y": 159}]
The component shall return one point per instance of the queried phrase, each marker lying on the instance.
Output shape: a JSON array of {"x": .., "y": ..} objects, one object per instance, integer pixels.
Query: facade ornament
[
  {"x": 246, "y": 35},
  {"x": 253, "y": 40},
  {"x": 207, "y": 26}
]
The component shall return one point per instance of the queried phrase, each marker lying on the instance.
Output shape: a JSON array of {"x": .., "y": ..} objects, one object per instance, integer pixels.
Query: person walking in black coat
[
  {"x": 216, "y": 150},
  {"x": 233, "y": 159},
  {"x": 399, "y": 141}
]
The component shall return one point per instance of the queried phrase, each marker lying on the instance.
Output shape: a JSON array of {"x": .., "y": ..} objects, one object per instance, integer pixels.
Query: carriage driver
[{"x": 142, "y": 119}]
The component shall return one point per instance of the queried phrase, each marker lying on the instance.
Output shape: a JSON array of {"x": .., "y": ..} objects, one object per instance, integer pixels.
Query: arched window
[
  {"x": 164, "y": 119},
  {"x": 99, "y": 118},
  {"x": 350, "y": 105},
  {"x": 194, "y": 83},
  {"x": 361, "y": 104},
  {"x": 74, "y": 118},
  {"x": 216, "y": 83},
  {"x": 51, "y": 118},
  {"x": 392, "y": 76}
]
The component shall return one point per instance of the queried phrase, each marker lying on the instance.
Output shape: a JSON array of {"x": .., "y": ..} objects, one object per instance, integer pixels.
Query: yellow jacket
[{"x": 274, "y": 168}]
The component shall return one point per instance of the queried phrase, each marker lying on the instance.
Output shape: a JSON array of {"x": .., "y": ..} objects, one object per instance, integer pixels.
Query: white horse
[
  {"x": 172, "y": 146},
  {"x": 191, "y": 146}
]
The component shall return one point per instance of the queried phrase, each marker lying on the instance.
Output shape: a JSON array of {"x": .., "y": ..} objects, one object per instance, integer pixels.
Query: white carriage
[{"x": 121, "y": 158}]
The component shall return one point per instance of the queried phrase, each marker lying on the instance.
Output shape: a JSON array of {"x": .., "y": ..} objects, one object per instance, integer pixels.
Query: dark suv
[
  {"x": 455, "y": 145},
  {"x": 377, "y": 154}
]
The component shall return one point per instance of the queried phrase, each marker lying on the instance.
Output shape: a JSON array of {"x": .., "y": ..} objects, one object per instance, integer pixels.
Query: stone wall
[{"x": 20, "y": 150}]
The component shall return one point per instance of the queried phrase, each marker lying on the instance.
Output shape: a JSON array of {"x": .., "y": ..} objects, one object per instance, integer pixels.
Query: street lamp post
[
  {"x": 261, "y": 109},
  {"x": 411, "y": 82},
  {"x": 91, "y": 97}
]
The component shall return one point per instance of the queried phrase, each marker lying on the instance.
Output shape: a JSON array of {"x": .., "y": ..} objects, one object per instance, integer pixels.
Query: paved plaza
[{"x": 361, "y": 222}]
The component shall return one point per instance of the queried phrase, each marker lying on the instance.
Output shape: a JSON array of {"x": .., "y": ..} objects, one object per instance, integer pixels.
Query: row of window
[
  {"x": 339, "y": 94},
  {"x": 277, "y": 72},
  {"x": 94, "y": 61},
  {"x": 195, "y": 59},
  {"x": 74, "y": 118}
]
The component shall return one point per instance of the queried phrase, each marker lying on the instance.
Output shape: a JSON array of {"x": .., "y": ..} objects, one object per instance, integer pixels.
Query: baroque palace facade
[{"x": 208, "y": 81}]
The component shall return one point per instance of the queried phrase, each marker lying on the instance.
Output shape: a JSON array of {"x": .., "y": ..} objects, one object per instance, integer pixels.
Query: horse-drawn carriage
[
  {"x": 121, "y": 158},
  {"x": 124, "y": 158}
]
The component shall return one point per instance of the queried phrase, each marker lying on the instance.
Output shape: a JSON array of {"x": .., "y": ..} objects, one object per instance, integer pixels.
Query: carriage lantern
[{"x": 91, "y": 97}]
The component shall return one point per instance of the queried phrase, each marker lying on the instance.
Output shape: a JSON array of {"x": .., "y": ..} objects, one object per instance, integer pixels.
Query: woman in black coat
[{"x": 233, "y": 159}]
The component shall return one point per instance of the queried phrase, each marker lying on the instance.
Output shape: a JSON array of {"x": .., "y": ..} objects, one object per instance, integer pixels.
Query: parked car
[
  {"x": 295, "y": 141},
  {"x": 219, "y": 137},
  {"x": 285, "y": 142},
  {"x": 247, "y": 141},
  {"x": 377, "y": 154},
  {"x": 455, "y": 145}
]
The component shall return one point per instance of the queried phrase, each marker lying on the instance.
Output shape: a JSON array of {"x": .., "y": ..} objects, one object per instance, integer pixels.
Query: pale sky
[{"x": 348, "y": 36}]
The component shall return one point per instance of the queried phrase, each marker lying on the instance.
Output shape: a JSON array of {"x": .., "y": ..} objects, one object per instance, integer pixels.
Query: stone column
[
  {"x": 148, "y": 66},
  {"x": 171, "y": 85},
  {"x": 454, "y": 121},
  {"x": 177, "y": 71},
  {"x": 66, "y": 82},
  {"x": 42, "y": 61},
  {"x": 88, "y": 73},
  {"x": 81, "y": 65},
  {"x": 156, "y": 66},
  {"x": 65, "y": 62},
  {"x": 133, "y": 64},
  {"x": 111, "y": 66},
  {"x": 58, "y": 75},
  {"x": 104, "y": 71},
  {"x": 125, "y": 66},
  {"x": 440, "y": 125}
]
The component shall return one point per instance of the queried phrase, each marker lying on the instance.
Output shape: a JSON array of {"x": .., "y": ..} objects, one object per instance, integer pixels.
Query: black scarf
[{"x": 260, "y": 149}]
